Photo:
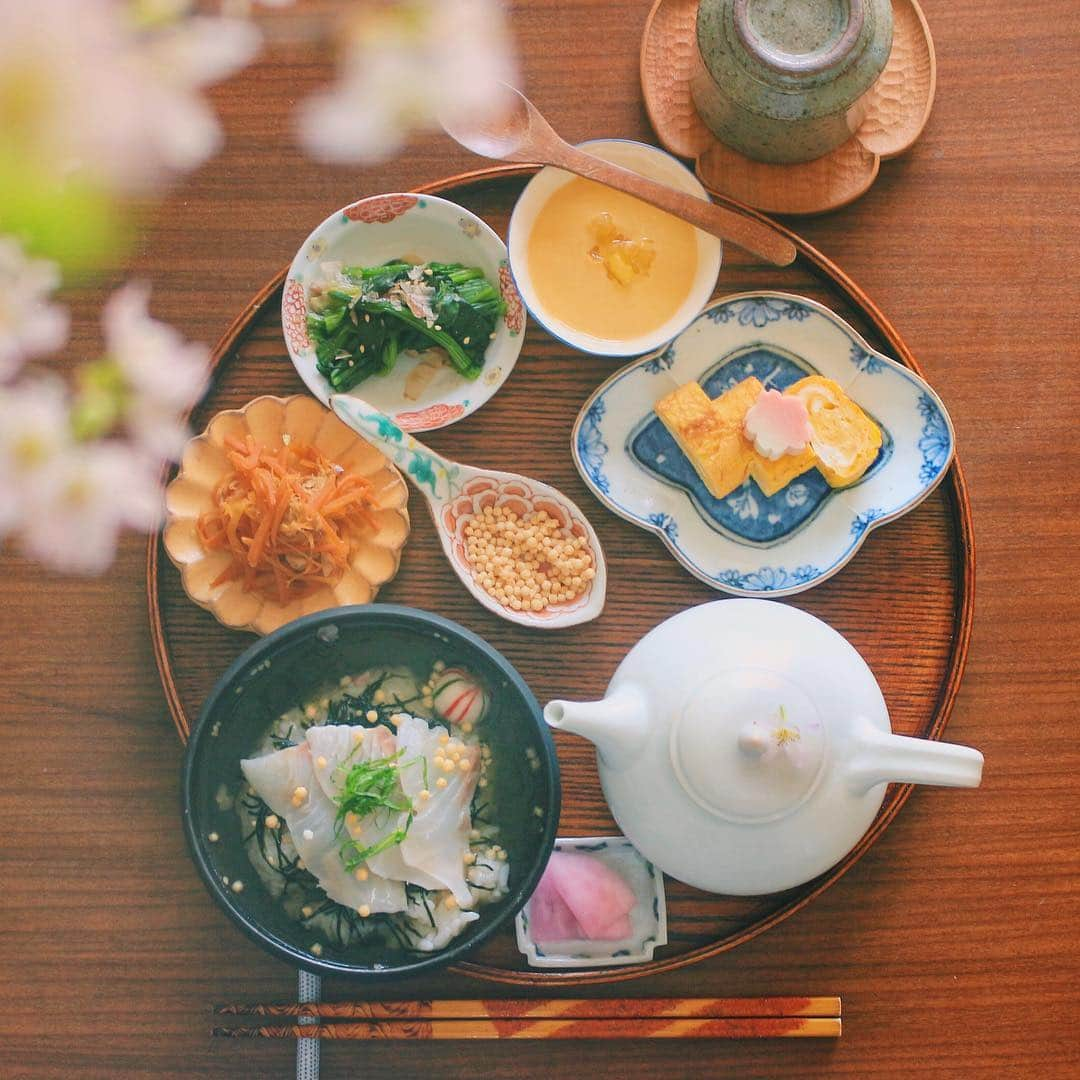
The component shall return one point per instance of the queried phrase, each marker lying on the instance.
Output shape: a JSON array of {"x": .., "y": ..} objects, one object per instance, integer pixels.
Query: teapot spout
[
  {"x": 881, "y": 758},
  {"x": 617, "y": 724}
]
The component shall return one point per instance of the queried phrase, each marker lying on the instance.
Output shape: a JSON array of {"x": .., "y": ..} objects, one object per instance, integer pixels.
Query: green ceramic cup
[{"x": 787, "y": 80}]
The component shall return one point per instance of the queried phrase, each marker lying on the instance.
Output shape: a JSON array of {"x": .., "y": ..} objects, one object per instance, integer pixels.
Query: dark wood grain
[
  {"x": 953, "y": 941},
  {"x": 922, "y": 582}
]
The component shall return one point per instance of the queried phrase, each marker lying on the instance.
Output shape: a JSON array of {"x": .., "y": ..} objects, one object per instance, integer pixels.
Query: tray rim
[{"x": 963, "y": 615}]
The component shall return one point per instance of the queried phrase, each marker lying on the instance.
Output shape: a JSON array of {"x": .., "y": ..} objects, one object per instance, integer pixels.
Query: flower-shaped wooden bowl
[
  {"x": 518, "y": 495},
  {"x": 375, "y": 559},
  {"x": 899, "y": 107}
]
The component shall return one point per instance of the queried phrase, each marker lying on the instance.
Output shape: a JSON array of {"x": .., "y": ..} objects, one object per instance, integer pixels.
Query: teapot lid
[{"x": 749, "y": 745}]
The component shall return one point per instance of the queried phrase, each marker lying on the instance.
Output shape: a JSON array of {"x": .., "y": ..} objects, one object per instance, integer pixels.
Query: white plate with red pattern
[{"x": 423, "y": 392}]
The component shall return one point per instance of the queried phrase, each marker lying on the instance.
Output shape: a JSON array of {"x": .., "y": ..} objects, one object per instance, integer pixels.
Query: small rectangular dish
[{"x": 648, "y": 918}]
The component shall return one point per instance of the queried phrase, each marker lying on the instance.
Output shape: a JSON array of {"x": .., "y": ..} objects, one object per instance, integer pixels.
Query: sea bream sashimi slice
[
  {"x": 438, "y": 839},
  {"x": 335, "y": 749},
  {"x": 390, "y": 862},
  {"x": 285, "y": 780}
]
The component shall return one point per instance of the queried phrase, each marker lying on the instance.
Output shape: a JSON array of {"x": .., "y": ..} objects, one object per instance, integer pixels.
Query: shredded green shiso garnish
[
  {"x": 371, "y": 787},
  {"x": 361, "y": 323}
]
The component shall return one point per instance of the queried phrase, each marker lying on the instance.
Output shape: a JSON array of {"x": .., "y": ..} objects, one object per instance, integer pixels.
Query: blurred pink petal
[
  {"x": 86, "y": 496},
  {"x": 165, "y": 375},
  {"x": 402, "y": 67},
  {"x": 200, "y": 50},
  {"x": 35, "y": 429},
  {"x": 104, "y": 97},
  {"x": 29, "y": 324}
]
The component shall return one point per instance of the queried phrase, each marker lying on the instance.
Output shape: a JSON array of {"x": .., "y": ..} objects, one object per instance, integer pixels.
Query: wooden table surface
[{"x": 954, "y": 942}]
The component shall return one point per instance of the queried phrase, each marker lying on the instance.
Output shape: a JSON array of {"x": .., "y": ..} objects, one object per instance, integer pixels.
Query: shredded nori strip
[
  {"x": 414, "y": 892},
  {"x": 269, "y": 844},
  {"x": 352, "y": 709}
]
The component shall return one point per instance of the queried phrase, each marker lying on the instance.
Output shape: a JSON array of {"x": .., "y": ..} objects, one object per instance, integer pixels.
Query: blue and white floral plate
[{"x": 747, "y": 544}]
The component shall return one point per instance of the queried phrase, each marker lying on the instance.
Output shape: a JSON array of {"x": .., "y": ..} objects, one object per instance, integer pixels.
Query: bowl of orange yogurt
[{"x": 603, "y": 271}]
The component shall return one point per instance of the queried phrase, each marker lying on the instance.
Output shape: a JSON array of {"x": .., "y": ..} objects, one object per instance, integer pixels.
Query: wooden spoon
[
  {"x": 455, "y": 493},
  {"x": 520, "y": 133}
]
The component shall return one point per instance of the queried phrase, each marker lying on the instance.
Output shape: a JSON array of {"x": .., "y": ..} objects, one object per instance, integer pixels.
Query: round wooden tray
[{"x": 905, "y": 602}]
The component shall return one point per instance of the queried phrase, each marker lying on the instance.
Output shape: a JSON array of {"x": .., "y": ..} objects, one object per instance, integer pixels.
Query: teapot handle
[{"x": 882, "y": 758}]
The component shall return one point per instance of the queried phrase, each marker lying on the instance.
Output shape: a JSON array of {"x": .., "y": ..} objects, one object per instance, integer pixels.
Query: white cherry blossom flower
[
  {"x": 163, "y": 375},
  {"x": 776, "y": 739},
  {"x": 29, "y": 324},
  {"x": 110, "y": 90},
  {"x": 404, "y": 66},
  {"x": 171, "y": 64},
  {"x": 65, "y": 496},
  {"x": 61, "y": 97},
  {"x": 84, "y": 498},
  {"x": 35, "y": 432}
]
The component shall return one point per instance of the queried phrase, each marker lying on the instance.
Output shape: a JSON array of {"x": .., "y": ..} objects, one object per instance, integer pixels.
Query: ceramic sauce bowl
[
  {"x": 648, "y": 161},
  {"x": 375, "y": 558},
  {"x": 407, "y": 226}
]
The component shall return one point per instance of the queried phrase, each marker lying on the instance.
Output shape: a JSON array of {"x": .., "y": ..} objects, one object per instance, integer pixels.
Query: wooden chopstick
[
  {"x": 554, "y": 1008},
  {"x": 771, "y": 1027}
]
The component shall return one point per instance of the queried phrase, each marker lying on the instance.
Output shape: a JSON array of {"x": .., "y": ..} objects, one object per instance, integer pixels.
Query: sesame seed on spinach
[{"x": 362, "y": 320}]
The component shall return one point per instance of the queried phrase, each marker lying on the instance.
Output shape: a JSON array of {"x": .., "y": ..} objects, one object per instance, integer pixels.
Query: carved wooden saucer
[{"x": 899, "y": 108}]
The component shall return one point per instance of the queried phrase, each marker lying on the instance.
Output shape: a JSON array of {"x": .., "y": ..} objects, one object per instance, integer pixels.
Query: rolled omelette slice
[
  {"x": 771, "y": 476},
  {"x": 845, "y": 440},
  {"x": 710, "y": 432}
]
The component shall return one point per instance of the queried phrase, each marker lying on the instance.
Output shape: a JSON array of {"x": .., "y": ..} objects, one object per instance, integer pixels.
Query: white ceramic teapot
[{"x": 744, "y": 746}]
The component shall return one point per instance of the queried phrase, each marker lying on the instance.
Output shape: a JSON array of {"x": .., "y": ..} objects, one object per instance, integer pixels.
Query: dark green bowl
[{"x": 293, "y": 664}]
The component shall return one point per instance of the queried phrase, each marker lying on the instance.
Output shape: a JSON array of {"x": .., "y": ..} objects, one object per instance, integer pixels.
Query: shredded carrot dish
[{"x": 289, "y": 516}]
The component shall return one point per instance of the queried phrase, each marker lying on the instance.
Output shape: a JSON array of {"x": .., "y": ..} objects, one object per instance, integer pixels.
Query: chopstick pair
[{"x": 623, "y": 1018}]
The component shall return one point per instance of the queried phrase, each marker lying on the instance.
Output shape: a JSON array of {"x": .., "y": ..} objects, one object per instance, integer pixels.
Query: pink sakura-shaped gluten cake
[{"x": 769, "y": 436}]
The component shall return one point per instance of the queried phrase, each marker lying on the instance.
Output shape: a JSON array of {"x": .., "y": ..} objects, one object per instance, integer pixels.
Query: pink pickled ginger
[
  {"x": 580, "y": 897},
  {"x": 549, "y": 917}
]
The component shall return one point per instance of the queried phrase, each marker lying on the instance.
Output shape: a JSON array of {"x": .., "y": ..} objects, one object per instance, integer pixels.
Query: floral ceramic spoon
[{"x": 456, "y": 494}]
